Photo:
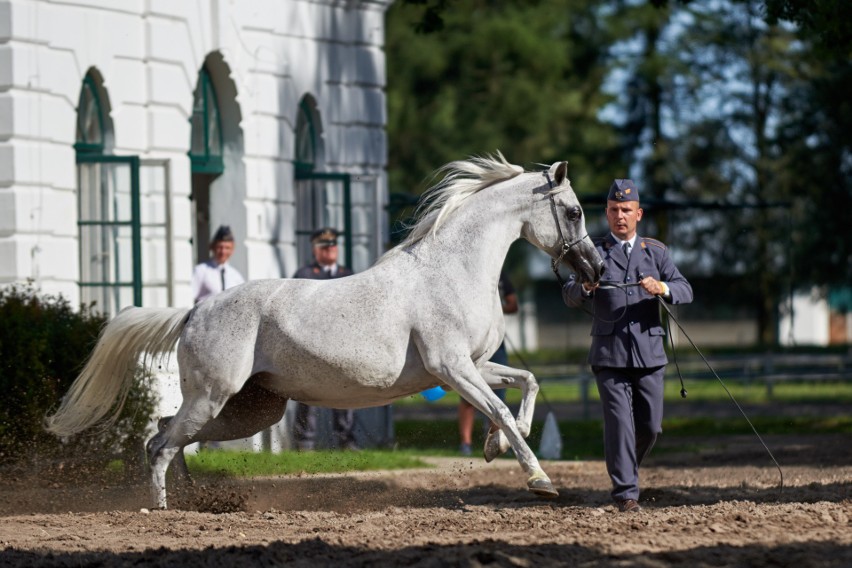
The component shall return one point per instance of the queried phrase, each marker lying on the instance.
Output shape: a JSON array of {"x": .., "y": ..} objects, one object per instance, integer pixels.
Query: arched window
[
  {"x": 306, "y": 137},
  {"x": 90, "y": 119},
  {"x": 205, "y": 155},
  {"x": 205, "y": 149},
  {"x": 107, "y": 208},
  {"x": 329, "y": 198}
]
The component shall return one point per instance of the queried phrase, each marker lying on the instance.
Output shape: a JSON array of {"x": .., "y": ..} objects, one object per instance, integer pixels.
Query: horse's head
[{"x": 557, "y": 226}]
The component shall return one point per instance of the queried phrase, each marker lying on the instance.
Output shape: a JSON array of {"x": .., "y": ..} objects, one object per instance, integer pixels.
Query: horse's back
[{"x": 340, "y": 342}]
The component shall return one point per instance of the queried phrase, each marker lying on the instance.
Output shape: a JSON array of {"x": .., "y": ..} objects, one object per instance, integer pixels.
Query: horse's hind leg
[
  {"x": 179, "y": 467},
  {"x": 244, "y": 414},
  {"x": 180, "y": 431}
]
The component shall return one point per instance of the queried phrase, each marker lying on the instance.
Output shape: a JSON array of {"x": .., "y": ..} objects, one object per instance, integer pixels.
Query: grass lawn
[
  {"x": 581, "y": 439},
  {"x": 244, "y": 463},
  {"x": 705, "y": 390}
]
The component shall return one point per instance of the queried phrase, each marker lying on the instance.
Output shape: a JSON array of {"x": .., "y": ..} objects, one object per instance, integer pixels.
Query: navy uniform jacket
[
  {"x": 315, "y": 272},
  {"x": 631, "y": 337}
]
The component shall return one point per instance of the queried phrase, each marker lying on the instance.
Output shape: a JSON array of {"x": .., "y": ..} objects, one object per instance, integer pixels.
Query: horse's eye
[{"x": 574, "y": 214}]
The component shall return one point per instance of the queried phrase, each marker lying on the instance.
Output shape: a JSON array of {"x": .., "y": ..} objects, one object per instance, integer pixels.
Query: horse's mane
[{"x": 461, "y": 179}]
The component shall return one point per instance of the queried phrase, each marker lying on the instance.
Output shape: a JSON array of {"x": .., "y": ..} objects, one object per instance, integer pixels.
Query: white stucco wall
[
  {"x": 265, "y": 56},
  {"x": 149, "y": 54}
]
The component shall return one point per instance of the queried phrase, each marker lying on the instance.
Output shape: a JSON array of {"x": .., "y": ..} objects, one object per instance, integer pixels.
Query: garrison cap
[
  {"x": 325, "y": 237},
  {"x": 623, "y": 190},
  {"x": 223, "y": 233}
]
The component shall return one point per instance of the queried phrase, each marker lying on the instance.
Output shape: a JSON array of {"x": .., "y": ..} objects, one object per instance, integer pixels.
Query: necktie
[
  {"x": 626, "y": 247},
  {"x": 222, "y": 273}
]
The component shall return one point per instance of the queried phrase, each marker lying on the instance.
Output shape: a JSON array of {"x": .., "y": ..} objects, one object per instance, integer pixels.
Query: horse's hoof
[
  {"x": 542, "y": 487},
  {"x": 496, "y": 444},
  {"x": 492, "y": 446}
]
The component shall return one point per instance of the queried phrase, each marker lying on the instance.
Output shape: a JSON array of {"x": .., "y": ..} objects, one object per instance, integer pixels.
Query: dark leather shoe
[{"x": 629, "y": 506}]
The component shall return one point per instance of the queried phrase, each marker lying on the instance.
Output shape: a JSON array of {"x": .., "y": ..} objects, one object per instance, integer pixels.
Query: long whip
[{"x": 724, "y": 386}]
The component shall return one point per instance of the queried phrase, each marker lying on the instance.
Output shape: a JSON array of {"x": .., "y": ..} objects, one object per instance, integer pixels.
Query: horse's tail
[{"x": 102, "y": 387}]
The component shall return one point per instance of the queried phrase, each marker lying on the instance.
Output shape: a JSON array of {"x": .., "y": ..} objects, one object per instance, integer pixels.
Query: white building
[
  {"x": 818, "y": 316},
  {"x": 131, "y": 129}
]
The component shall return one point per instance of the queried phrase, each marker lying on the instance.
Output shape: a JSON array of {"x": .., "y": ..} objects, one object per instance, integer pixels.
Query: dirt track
[{"x": 713, "y": 509}]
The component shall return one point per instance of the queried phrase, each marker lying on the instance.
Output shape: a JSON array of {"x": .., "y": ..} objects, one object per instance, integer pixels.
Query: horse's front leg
[
  {"x": 462, "y": 375},
  {"x": 500, "y": 376}
]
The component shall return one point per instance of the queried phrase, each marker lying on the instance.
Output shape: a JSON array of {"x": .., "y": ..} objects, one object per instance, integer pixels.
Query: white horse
[{"x": 426, "y": 314}]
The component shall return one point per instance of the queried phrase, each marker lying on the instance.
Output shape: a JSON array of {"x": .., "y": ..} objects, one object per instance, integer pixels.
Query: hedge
[{"x": 44, "y": 343}]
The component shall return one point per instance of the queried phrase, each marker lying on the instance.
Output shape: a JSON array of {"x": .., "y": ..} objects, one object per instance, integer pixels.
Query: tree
[
  {"x": 814, "y": 138},
  {"x": 714, "y": 136},
  {"x": 519, "y": 76}
]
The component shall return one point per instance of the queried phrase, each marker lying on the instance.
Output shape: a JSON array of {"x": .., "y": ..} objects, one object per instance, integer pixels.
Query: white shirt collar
[{"x": 632, "y": 241}]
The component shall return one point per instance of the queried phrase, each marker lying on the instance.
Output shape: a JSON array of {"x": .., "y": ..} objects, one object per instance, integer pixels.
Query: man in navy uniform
[
  {"x": 324, "y": 267},
  {"x": 627, "y": 354}
]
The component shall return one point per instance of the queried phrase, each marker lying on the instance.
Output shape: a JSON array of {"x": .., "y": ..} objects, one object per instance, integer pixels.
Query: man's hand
[
  {"x": 589, "y": 287},
  {"x": 652, "y": 286}
]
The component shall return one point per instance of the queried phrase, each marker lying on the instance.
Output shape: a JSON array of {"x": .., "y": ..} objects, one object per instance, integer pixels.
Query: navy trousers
[
  {"x": 305, "y": 427},
  {"x": 632, "y": 400}
]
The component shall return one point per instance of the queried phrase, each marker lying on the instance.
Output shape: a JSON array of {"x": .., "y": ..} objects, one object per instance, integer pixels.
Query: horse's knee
[{"x": 532, "y": 383}]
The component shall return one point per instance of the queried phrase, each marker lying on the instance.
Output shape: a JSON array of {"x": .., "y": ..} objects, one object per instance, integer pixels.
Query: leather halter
[{"x": 566, "y": 246}]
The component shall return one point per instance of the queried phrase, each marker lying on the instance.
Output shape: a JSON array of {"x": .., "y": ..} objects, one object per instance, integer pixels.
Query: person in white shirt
[{"x": 216, "y": 275}]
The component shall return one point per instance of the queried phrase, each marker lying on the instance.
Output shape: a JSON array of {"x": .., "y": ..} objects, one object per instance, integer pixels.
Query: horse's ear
[{"x": 561, "y": 173}]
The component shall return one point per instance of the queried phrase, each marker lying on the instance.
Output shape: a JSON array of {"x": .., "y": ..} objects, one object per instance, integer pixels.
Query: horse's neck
[{"x": 473, "y": 243}]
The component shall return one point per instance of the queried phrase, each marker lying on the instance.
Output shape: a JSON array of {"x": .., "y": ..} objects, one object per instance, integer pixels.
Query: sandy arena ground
[{"x": 717, "y": 508}]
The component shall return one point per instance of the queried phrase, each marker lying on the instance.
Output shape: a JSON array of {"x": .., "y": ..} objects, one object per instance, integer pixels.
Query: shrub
[{"x": 44, "y": 343}]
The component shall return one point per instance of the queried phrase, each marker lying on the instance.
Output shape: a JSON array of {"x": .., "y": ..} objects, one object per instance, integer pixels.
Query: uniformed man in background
[{"x": 324, "y": 267}]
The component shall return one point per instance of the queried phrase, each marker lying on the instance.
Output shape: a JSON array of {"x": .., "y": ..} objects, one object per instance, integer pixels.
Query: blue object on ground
[{"x": 433, "y": 394}]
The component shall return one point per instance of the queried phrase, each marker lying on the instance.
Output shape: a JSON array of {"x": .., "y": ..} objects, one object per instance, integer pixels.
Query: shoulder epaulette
[{"x": 656, "y": 243}]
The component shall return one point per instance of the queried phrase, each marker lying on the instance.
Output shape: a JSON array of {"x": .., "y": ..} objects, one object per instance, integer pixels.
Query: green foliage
[
  {"x": 247, "y": 464},
  {"x": 732, "y": 115},
  {"x": 43, "y": 345},
  {"x": 520, "y": 77}
]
